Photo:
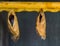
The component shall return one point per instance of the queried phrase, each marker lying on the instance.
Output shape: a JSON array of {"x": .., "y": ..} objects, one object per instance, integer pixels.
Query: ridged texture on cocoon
[
  {"x": 41, "y": 25},
  {"x": 14, "y": 29}
]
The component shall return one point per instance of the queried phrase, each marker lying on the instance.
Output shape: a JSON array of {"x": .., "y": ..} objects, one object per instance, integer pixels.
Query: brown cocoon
[
  {"x": 41, "y": 25},
  {"x": 14, "y": 29}
]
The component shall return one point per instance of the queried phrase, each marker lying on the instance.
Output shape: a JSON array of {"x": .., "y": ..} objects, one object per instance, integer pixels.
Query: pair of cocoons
[{"x": 14, "y": 28}]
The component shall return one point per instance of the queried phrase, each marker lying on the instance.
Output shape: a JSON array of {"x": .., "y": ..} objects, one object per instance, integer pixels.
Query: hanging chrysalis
[
  {"x": 41, "y": 25},
  {"x": 13, "y": 25}
]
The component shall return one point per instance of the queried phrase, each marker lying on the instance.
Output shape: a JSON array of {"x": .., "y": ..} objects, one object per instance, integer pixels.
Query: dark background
[{"x": 29, "y": 36}]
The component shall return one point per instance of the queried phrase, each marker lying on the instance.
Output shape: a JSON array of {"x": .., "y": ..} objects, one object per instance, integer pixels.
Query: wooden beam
[{"x": 30, "y": 6}]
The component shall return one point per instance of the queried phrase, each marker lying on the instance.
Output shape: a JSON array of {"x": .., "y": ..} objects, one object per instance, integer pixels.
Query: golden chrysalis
[
  {"x": 13, "y": 27},
  {"x": 41, "y": 25}
]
